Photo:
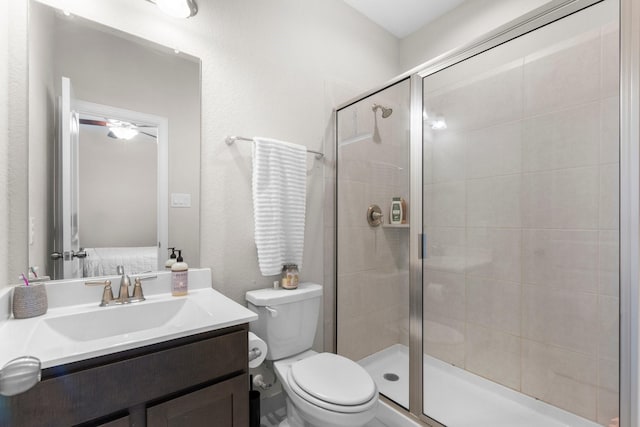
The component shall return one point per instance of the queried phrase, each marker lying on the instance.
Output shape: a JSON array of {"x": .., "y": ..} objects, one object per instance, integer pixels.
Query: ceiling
[{"x": 403, "y": 17}]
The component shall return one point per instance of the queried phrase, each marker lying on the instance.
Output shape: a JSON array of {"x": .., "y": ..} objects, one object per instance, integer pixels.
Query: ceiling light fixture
[{"x": 177, "y": 8}]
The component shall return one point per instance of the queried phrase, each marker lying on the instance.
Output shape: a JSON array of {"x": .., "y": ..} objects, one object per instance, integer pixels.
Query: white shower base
[{"x": 458, "y": 398}]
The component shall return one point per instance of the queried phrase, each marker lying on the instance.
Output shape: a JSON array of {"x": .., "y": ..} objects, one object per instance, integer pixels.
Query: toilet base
[{"x": 293, "y": 417}]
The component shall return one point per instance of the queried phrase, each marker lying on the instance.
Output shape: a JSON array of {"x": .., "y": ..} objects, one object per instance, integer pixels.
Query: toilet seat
[{"x": 333, "y": 382}]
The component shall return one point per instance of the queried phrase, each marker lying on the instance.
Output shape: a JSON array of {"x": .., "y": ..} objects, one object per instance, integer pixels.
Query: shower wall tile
[
  {"x": 494, "y": 304},
  {"x": 443, "y": 338},
  {"x": 353, "y": 247},
  {"x": 609, "y": 130},
  {"x": 608, "y": 374},
  {"x": 562, "y": 139},
  {"x": 353, "y": 339},
  {"x": 444, "y": 294},
  {"x": 561, "y": 259},
  {"x": 566, "y": 198},
  {"x": 608, "y": 329},
  {"x": 494, "y": 202},
  {"x": 608, "y": 391},
  {"x": 444, "y": 204},
  {"x": 493, "y": 355},
  {"x": 445, "y": 241},
  {"x": 494, "y": 253},
  {"x": 609, "y": 197},
  {"x": 562, "y": 75},
  {"x": 448, "y": 150},
  {"x": 352, "y": 204},
  {"x": 350, "y": 296},
  {"x": 610, "y": 60},
  {"x": 560, "y": 377},
  {"x": 608, "y": 407},
  {"x": 564, "y": 319},
  {"x": 484, "y": 100},
  {"x": 494, "y": 151},
  {"x": 609, "y": 263},
  {"x": 497, "y": 98}
]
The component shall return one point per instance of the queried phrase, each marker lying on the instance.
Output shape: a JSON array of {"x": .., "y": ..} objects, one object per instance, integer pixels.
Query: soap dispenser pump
[
  {"x": 179, "y": 277},
  {"x": 171, "y": 260}
]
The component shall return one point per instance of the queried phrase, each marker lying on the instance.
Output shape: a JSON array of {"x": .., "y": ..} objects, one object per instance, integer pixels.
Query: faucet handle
[
  {"x": 120, "y": 269},
  {"x": 107, "y": 293},
  {"x": 138, "y": 295}
]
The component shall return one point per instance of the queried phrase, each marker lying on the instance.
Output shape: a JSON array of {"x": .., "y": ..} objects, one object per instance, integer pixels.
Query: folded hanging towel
[{"x": 279, "y": 198}]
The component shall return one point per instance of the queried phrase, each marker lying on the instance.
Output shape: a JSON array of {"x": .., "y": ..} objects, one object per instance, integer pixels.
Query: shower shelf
[{"x": 395, "y": 226}]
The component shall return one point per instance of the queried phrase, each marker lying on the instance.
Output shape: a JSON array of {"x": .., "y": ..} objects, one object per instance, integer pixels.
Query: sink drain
[{"x": 390, "y": 377}]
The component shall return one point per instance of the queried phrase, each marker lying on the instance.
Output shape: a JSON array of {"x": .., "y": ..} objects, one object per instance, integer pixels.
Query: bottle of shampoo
[
  {"x": 179, "y": 277},
  {"x": 396, "y": 211},
  {"x": 171, "y": 260}
]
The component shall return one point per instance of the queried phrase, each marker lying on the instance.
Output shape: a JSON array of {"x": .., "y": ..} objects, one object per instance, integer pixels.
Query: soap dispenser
[
  {"x": 179, "y": 277},
  {"x": 171, "y": 260}
]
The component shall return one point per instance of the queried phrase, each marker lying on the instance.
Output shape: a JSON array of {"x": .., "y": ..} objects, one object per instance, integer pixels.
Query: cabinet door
[
  {"x": 225, "y": 404},
  {"x": 120, "y": 422}
]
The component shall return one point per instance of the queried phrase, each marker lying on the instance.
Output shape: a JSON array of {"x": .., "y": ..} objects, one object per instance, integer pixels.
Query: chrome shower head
[{"x": 386, "y": 112}]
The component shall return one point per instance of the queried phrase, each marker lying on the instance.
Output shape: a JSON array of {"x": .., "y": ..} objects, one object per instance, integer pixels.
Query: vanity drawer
[{"x": 131, "y": 383}]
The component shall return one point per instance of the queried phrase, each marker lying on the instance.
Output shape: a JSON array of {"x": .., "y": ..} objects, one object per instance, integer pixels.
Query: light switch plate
[{"x": 180, "y": 200}]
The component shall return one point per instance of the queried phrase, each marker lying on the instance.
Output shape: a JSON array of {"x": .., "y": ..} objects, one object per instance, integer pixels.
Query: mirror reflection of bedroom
[{"x": 114, "y": 138}]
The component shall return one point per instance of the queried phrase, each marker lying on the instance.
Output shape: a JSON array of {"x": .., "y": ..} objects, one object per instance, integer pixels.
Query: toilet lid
[{"x": 334, "y": 379}]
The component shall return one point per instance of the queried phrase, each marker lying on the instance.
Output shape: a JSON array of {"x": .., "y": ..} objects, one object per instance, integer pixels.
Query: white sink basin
[
  {"x": 123, "y": 320},
  {"x": 76, "y": 328}
]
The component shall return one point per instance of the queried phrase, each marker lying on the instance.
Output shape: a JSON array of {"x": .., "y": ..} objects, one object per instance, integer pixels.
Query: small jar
[{"x": 290, "y": 276}]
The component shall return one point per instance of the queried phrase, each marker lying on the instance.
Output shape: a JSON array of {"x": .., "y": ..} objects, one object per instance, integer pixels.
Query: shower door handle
[{"x": 422, "y": 246}]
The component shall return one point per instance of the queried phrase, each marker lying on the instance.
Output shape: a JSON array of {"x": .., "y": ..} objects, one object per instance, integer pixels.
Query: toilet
[{"x": 322, "y": 389}]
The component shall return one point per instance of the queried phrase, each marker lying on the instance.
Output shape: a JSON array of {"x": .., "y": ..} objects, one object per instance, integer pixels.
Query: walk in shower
[{"x": 495, "y": 300}]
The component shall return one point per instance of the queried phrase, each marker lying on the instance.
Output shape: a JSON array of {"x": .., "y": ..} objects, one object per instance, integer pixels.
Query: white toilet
[{"x": 323, "y": 389}]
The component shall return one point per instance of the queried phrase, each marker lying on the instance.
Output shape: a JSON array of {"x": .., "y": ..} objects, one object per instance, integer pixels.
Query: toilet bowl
[
  {"x": 322, "y": 389},
  {"x": 328, "y": 390}
]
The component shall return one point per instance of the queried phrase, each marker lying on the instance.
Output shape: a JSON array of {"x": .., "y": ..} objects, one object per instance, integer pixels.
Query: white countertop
[{"x": 76, "y": 328}]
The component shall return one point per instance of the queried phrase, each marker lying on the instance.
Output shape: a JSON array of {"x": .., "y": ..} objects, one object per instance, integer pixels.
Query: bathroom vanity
[{"x": 187, "y": 369}]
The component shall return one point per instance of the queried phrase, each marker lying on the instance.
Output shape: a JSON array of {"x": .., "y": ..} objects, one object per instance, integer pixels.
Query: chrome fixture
[
  {"x": 374, "y": 215},
  {"x": 107, "y": 293},
  {"x": 386, "y": 111},
  {"x": 125, "y": 282},
  {"x": 177, "y": 8},
  {"x": 231, "y": 139},
  {"x": 138, "y": 295},
  {"x": 123, "y": 295}
]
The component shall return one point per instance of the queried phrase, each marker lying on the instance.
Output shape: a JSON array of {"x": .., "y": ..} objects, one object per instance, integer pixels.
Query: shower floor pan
[{"x": 458, "y": 398}]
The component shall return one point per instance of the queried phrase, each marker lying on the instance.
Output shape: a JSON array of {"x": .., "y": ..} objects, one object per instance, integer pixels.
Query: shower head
[{"x": 386, "y": 112}]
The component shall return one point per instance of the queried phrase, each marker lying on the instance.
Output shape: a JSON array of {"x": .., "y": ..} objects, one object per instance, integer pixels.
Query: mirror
[{"x": 98, "y": 200}]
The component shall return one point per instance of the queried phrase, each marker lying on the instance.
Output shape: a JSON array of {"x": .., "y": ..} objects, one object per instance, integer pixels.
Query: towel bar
[{"x": 231, "y": 139}]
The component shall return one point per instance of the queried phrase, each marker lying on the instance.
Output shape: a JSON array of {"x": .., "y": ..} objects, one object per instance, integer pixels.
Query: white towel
[{"x": 279, "y": 200}]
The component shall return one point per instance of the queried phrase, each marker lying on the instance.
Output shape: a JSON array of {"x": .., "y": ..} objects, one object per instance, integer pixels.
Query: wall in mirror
[{"x": 124, "y": 73}]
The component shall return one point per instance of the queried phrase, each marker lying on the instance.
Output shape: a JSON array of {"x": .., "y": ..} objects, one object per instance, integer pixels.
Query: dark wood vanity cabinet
[{"x": 200, "y": 380}]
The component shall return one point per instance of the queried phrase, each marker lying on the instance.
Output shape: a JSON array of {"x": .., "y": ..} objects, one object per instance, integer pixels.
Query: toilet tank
[{"x": 287, "y": 318}]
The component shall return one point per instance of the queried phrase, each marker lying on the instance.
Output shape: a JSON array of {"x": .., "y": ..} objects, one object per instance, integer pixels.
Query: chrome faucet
[
  {"x": 123, "y": 294},
  {"x": 125, "y": 282}
]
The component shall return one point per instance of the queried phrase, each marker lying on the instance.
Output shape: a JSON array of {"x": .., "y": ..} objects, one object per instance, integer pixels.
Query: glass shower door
[
  {"x": 520, "y": 274},
  {"x": 372, "y": 250}
]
